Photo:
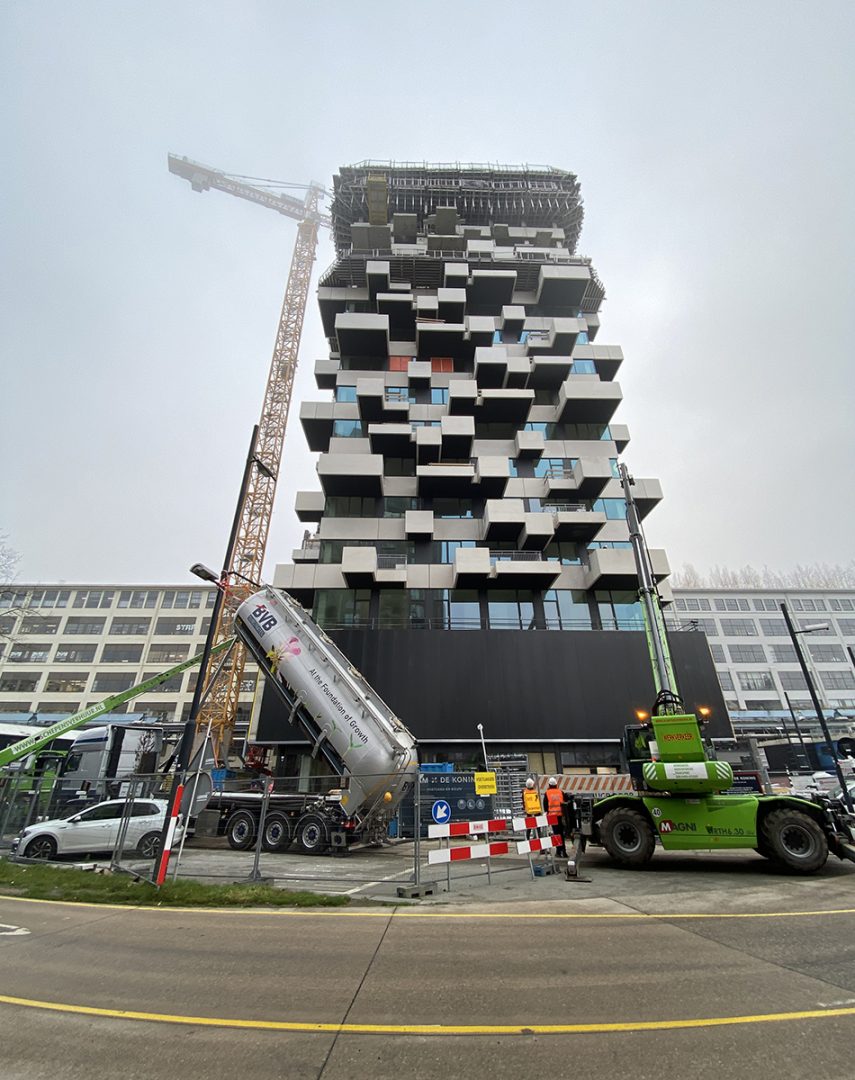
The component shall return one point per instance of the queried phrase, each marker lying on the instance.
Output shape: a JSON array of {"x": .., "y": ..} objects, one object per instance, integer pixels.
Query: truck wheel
[
  {"x": 795, "y": 840},
  {"x": 312, "y": 834},
  {"x": 627, "y": 836},
  {"x": 277, "y": 833},
  {"x": 240, "y": 830}
]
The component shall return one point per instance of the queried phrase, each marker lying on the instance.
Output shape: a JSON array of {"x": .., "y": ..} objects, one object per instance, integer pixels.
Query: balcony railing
[
  {"x": 564, "y": 508},
  {"x": 515, "y": 556},
  {"x": 392, "y": 562}
]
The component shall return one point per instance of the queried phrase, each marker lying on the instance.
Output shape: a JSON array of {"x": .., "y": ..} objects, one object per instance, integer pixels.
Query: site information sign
[{"x": 485, "y": 783}]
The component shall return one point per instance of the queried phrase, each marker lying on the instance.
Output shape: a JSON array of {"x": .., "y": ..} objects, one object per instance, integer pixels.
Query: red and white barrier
[
  {"x": 544, "y": 843},
  {"x": 473, "y": 851},
  {"x": 472, "y": 828},
  {"x": 170, "y": 836},
  {"x": 604, "y": 784}
]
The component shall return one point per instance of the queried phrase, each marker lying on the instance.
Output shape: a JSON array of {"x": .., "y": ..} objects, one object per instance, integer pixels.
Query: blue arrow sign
[{"x": 441, "y": 812}]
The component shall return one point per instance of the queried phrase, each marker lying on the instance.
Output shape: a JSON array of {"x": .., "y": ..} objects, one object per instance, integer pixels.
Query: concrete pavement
[{"x": 599, "y": 959}]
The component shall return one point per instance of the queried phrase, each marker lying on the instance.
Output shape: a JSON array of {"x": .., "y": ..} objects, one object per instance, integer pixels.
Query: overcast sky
[{"x": 714, "y": 144}]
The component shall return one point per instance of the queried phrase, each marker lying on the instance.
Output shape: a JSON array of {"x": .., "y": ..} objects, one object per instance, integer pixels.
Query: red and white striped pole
[{"x": 169, "y": 835}]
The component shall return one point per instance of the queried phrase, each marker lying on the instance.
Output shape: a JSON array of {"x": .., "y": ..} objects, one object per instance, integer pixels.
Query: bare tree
[
  {"x": 802, "y": 576},
  {"x": 9, "y": 559}
]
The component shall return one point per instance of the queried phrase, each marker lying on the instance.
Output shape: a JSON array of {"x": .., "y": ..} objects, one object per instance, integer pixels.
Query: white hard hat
[
  {"x": 552, "y": 781},
  {"x": 529, "y": 782}
]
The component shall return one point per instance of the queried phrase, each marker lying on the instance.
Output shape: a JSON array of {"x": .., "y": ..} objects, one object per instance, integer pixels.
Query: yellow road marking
[
  {"x": 407, "y": 913},
  {"x": 428, "y": 1029}
]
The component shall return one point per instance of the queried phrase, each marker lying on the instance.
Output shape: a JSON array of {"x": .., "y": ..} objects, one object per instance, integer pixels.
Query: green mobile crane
[{"x": 679, "y": 787}]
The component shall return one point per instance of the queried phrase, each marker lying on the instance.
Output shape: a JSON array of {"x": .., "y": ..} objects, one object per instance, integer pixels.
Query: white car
[{"x": 96, "y": 830}]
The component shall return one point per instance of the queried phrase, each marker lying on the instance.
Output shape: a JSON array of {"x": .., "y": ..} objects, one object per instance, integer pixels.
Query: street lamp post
[
  {"x": 798, "y": 730},
  {"x": 794, "y": 635},
  {"x": 483, "y": 745}
]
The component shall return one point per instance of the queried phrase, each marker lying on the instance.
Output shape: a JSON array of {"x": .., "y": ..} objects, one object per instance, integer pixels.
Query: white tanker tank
[{"x": 342, "y": 715}]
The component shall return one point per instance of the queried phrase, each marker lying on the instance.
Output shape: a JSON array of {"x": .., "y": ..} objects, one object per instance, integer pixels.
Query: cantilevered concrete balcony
[
  {"x": 308, "y": 553},
  {"x": 418, "y": 374},
  {"x": 333, "y": 301},
  {"x": 504, "y": 519},
  {"x": 451, "y": 304},
  {"x": 538, "y": 531},
  {"x": 471, "y": 567},
  {"x": 519, "y": 369},
  {"x": 445, "y": 480},
  {"x": 503, "y": 405},
  {"x": 591, "y": 475},
  {"x": 480, "y": 329},
  {"x": 549, "y": 372},
  {"x": 583, "y": 399},
  {"x": 523, "y": 570},
  {"x": 375, "y": 405},
  {"x": 491, "y": 366},
  {"x": 488, "y": 291},
  {"x": 558, "y": 338},
  {"x": 574, "y": 521},
  {"x": 394, "y": 439},
  {"x": 529, "y": 444},
  {"x": 457, "y": 433},
  {"x": 462, "y": 395},
  {"x": 647, "y": 494},
  {"x": 611, "y": 568},
  {"x": 317, "y": 419},
  {"x": 418, "y": 524},
  {"x": 428, "y": 444},
  {"x": 362, "y": 334},
  {"x": 398, "y": 308},
  {"x": 512, "y": 320},
  {"x": 491, "y": 476},
  {"x": 561, "y": 287},
  {"x": 620, "y": 436},
  {"x": 309, "y": 505},
  {"x": 326, "y": 369},
  {"x": 455, "y": 275},
  {"x": 442, "y": 339},
  {"x": 377, "y": 277},
  {"x": 359, "y": 566},
  {"x": 607, "y": 359},
  {"x": 351, "y": 474}
]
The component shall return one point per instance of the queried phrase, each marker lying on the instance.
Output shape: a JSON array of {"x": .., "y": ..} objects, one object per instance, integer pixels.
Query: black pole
[
  {"x": 185, "y": 748},
  {"x": 798, "y": 730},
  {"x": 819, "y": 711}
]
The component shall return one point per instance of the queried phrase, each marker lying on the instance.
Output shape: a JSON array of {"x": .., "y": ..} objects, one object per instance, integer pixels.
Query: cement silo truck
[{"x": 347, "y": 723}]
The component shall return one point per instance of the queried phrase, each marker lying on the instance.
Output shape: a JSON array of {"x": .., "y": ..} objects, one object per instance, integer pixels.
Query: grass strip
[{"x": 69, "y": 883}]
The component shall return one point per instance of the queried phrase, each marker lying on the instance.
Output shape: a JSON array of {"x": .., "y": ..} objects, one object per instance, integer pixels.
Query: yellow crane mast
[{"x": 257, "y": 506}]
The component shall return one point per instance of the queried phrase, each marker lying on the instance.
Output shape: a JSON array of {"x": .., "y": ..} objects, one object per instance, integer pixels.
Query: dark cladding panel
[{"x": 521, "y": 685}]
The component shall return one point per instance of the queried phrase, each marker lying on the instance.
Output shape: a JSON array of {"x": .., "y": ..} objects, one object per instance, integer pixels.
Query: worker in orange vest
[
  {"x": 531, "y": 804},
  {"x": 555, "y": 800}
]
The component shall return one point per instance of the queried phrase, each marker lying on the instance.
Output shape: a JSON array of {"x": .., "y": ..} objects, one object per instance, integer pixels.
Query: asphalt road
[{"x": 317, "y": 979}]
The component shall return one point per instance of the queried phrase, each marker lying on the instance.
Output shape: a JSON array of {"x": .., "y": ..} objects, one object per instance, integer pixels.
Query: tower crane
[{"x": 266, "y": 456}]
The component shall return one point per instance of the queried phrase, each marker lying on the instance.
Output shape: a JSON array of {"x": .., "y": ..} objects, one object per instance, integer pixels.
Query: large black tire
[
  {"x": 277, "y": 833},
  {"x": 149, "y": 846},
  {"x": 240, "y": 830},
  {"x": 628, "y": 837},
  {"x": 795, "y": 841},
  {"x": 41, "y": 847},
  {"x": 312, "y": 834}
]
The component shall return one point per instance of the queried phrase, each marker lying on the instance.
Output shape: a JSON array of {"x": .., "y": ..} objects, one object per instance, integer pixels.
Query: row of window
[
  {"x": 767, "y": 627},
  {"x": 780, "y": 654},
  {"x": 106, "y": 682},
  {"x": 730, "y": 603},
  {"x": 106, "y": 598},
  {"x": 41, "y": 625},
  {"x": 790, "y": 680},
  {"x": 74, "y": 653},
  {"x": 441, "y": 552}
]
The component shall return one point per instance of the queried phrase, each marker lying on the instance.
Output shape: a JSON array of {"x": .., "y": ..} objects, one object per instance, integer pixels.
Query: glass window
[
  {"x": 792, "y": 680},
  {"x": 557, "y": 468},
  {"x": 167, "y": 654},
  {"x": 93, "y": 598},
  {"x": 717, "y": 653},
  {"x": 747, "y": 654},
  {"x": 462, "y": 609},
  {"x": 756, "y": 680},
  {"x": 120, "y": 626},
  {"x": 84, "y": 624},
  {"x": 396, "y": 506},
  {"x": 182, "y": 598},
  {"x": 394, "y": 609},
  {"x": 614, "y": 509},
  {"x": 175, "y": 625},
  {"x": 619, "y": 609},
  {"x": 827, "y": 632},
  {"x": 566, "y": 552},
  {"x": 62, "y": 708},
  {"x": 773, "y": 628},
  {"x": 68, "y": 652},
  {"x": 827, "y": 654},
  {"x": 838, "y": 680},
  {"x": 121, "y": 654},
  {"x": 439, "y": 395},
  {"x": 442, "y": 551},
  {"x": 566, "y": 609},
  {"x": 738, "y": 628},
  {"x": 706, "y": 626},
  {"x": 170, "y": 686},
  {"x": 399, "y": 363},
  {"x": 39, "y": 625},
  {"x": 105, "y": 812},
  {"x": 510, "y": 609},
  {"x": 342, "y": 607},
  {"x": 842, "y": 604},
  {"x": 784, "y": 654},
  {"x": 59, "y": 683},
  {"x": 399, "y": 393},
  {"x": 346, "y": 393},
  {"x": 349, "y": 429},
  {"x": 163, "y": 711},
  {"x": 399, "y": 466},
  {"x": 846, "y": 627},
  {"x": 350, "y": 506},
  {"x": 512, "y": 467},
  {"x": 583, "y": 367},
  {"x": 50, "y": 598},
  {"x": 442, "y": 363},
  {"x": 452, "y": 508},
  {"x": 18, "y": 684},
  {"x": 108, "y": 683},
  {"x": 138, "y": 598},
  {"x": 725, "y": 680},
  {"x": 29, "y": 654}
]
